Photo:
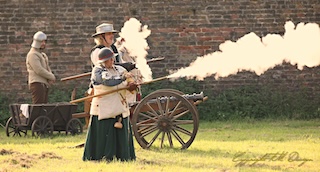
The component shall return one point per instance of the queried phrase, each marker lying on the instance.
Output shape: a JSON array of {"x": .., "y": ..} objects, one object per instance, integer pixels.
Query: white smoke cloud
[
  {"x": 135, "y": 42},
  {"x": 299, "y": 46}
]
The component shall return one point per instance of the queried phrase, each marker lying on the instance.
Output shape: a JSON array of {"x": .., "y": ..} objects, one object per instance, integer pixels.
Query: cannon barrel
[
  {"x": 193, "y": 97},
  {"x": 197, "y": 98}
]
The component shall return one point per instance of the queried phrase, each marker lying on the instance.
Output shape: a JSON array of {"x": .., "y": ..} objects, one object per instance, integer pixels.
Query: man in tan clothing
[{"x": 40, "y": 75}]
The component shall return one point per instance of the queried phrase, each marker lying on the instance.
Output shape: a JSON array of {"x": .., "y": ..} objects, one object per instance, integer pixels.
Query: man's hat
[
  {"x": 104, "y": 28},
  {"x": 38, "y": 37}
]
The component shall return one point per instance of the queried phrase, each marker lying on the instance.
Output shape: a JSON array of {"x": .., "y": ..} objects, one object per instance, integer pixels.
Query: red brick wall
[{"x": 180, "y": 31}]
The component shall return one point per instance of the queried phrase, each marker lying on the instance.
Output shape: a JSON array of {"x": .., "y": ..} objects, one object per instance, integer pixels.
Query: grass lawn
[{"x": 218, "y": 146}]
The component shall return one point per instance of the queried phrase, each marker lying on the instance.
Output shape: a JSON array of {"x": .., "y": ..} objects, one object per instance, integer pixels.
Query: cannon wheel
[
  {"x": 170, "y": 90},
  {"x": 42, "y": 126},
  {"x": 74, "y": 127},
  {"x": 174, "y": 121},
  {"x": 14, "y": 130}
]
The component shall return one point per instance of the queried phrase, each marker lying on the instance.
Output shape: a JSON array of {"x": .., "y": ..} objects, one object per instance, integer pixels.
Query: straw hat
[{"x": 104, "y": 28}]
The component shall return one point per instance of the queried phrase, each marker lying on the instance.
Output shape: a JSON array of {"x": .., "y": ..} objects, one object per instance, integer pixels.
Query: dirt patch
[
  {"x": 24, "y": 160},
  {"x": 49, "y": 155},
  {"x": 6, "y": 152}
]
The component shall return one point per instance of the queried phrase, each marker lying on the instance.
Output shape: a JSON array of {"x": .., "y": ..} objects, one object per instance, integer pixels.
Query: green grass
[{"x": 219, "y": 146}]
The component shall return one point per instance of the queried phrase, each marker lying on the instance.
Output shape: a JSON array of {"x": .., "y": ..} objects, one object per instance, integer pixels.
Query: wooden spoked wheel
[
  {"x": 42, "y": 126},
  {"x": 74, "y": 127},
  {"x": 165, "y": 118},
  {"x": 12, "y": 130},
  {"x": 169, "y": 90}
]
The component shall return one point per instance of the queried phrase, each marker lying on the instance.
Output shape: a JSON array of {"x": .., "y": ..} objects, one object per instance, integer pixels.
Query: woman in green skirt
[{"x": 109, "y": 134}]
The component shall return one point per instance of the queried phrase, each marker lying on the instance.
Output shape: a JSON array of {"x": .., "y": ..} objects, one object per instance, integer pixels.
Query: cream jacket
[{"x": 38, "y": 67}]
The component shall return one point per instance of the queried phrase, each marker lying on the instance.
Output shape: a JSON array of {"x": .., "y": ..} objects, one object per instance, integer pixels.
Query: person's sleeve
[{"x": 104, "y": 78}]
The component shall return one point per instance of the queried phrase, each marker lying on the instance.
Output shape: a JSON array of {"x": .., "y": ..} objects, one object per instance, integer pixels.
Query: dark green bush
[
  {"x": 4, "y": 110},
  {"x": 261, "y": 102},
  {"x": 241, "y": 103}
]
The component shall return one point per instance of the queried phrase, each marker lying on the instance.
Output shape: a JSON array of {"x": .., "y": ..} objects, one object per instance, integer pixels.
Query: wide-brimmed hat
[
  {"x": 105, "y": 54},
  {"x": 104, "y": 28}
]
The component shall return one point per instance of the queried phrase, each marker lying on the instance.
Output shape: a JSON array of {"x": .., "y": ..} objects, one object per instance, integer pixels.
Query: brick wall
[{"x": 180, "y": 31}]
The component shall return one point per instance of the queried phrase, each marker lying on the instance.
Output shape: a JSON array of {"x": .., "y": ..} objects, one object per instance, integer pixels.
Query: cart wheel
[
  {"x": 13, "y": 130},
  {"x": 42, "y": 126},
  {"x": 168, "y": 115},
  {"x": 74, "y": 126}
]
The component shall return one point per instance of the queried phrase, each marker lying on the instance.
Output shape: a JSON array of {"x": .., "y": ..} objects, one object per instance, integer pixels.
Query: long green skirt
[{"x": 105, "y": 142}]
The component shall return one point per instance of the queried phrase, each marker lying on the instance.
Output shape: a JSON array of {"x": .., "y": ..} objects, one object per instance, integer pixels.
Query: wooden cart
[{"x": 42, "y": 119}]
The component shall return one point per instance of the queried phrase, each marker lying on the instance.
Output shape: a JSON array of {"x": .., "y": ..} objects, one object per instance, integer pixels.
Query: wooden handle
[
  {"x": 116, "y": 90},
  {"x": 76, "y": 76},
  {"x": 97, "y": 95}
]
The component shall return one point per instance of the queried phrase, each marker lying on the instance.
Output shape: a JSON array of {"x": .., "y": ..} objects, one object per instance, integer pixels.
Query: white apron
[{"x": 110, "y": 105}]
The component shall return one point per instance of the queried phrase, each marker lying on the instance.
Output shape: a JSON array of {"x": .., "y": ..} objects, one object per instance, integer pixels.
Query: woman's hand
[
  {"x": 128, "y": 75},
  {"x": 132, "y": 86}
]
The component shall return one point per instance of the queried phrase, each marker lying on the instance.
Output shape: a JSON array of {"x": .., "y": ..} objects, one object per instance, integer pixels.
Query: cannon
[{"x": 166, "y": 116}]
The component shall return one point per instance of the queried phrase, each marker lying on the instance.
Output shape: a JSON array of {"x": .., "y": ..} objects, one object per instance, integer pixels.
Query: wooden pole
[
  {"x": 116, "y": 90},
  {"x": 89, "y": 73},
  {"x": 76, "y": 76},
  {"x": 97, "y": 95}
]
